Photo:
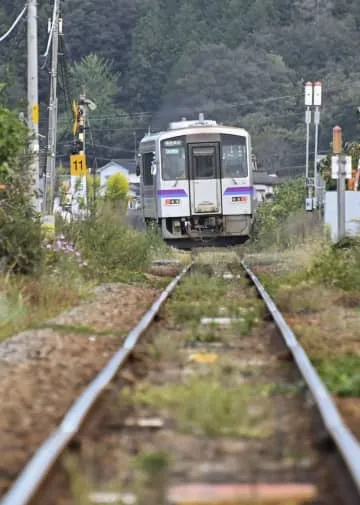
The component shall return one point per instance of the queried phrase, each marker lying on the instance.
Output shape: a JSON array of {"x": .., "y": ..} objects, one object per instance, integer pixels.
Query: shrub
[
  {"x": 283, "y": 222},
  {"x": 338, "y": 264},
  {"x": 111, "y": 248},
  {"x": 20, "y": 231}
]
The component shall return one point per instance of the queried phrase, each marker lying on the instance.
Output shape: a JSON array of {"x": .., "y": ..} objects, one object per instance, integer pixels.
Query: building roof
[
  {"x": 129, "y": 164},
  {"x": 110, "y": 164},
  {"x": 265, "y": 178}
]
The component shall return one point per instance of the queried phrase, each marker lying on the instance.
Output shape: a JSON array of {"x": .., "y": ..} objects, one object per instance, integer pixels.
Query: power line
[{"x": 12, "y": 27}]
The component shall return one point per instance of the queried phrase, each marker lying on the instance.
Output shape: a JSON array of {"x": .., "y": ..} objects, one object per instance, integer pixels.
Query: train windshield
[
  {"x": 173, "y": 160},
  {"x": 234, "y": 156}
]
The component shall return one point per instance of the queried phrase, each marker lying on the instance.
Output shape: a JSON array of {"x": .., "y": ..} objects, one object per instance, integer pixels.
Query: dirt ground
[{"x": 42, "y": 371}]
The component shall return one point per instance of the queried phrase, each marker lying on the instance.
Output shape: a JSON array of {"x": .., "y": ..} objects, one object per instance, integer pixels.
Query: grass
[
  {"x": 27, "y": 302},
  {"x": 114, "y": 251},
  {"x": 341, "y": 375},
  {"x": 201, "y": 295},
  {"x": 317, "y": 286},
  {"x": 105, "y": 250},
  {"x": 205, "y": 406}
]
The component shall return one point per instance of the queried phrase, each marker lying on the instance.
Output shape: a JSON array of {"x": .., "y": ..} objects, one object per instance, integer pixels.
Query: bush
[
  {"x": 20, "y": 231},
  {"x": 112, "y": 250},
  {"x": 338, "y": 265},
  {"x": 283, "y": 222}
]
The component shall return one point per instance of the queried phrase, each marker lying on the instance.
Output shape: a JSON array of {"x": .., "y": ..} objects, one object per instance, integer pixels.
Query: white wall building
[
  {"x": 265, "y": 185},
  {"x": 119, "y": 167}
]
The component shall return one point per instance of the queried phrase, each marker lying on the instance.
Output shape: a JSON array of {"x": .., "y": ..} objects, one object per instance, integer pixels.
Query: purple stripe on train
[
  {"x": 171, "y": 193},
  {"x": 239, "y": 190}
]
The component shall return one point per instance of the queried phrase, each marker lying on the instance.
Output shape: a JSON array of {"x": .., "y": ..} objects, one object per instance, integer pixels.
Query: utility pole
[
  {"x": 53, "y": 107},
  {"x": 33, "y": 100}
]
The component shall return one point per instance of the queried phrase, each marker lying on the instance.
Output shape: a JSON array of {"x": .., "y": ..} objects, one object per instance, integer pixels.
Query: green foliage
[
  {"x": 240, "y": 61},
  {"x": 113, "y": 251},
  {"x": 117, "y": 189},
  {"x": 341, "y": 375},
  {"x": 20, "y": 233},
  {"x": 338, "y": 265},
  {"x": 206, "y": 406},
  {"x": 12, "y": 138},
  {"x": 272, "y": 216}
]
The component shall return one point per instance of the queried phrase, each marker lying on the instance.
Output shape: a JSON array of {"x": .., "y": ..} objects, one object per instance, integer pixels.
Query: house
[
  {"x": 265, "y": 185},
  {"x": 127, "y": 168}
]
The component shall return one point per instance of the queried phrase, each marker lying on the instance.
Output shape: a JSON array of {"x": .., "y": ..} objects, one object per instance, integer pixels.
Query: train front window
[
  {"x": 204, "y": 162},
  {"x": 173, "y": 160},
  {"x": 234, "y": 156}
]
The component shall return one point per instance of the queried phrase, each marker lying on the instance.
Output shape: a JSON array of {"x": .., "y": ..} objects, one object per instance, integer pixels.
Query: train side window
[
  {"x": 147, "y": 159},
  {"x": 234, "y": 156}
]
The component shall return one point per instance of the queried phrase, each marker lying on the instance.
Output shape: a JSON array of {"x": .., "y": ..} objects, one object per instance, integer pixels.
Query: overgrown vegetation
[
  {"x": 208, "y": 296},
  {"x": 42, "y": 270},
  {"x": 341, "y": 375},
  {"x": 206, "y": 406},
  {"x": 282, "y": 222}
]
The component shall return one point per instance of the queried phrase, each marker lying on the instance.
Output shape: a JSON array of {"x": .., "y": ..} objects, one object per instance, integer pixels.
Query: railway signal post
[
  {"x": 313, "y": 100},
  {"x": 78, "y": 168}
]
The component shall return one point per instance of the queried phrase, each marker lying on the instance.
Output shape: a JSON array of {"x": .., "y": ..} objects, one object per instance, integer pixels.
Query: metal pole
[
  {"x": 307, "y": 121},
  {"x": 341, "y": 195},
  {"x": 51, "y": 155},
  {"x": 308, "y": 105},
  {"x": 317, "y": 104},
  {"x": 33, "y": 101},
  {"x": 316, "y": 122}
]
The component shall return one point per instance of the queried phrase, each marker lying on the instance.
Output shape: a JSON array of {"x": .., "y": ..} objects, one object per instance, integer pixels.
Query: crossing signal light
[{"x": 77, "y": 111}]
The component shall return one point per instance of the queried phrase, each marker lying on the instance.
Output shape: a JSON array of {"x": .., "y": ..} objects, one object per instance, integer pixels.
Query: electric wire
[
  {"x": 13, "y": 26},
  {"x": 51, "y": 32}
]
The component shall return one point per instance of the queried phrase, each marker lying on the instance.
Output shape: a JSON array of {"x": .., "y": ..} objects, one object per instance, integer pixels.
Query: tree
[
  {"x": 117, "y": 190},
  {"x": 20, "y": 233}
]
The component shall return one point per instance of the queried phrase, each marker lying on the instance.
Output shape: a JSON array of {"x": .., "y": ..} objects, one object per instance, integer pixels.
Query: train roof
[{"x": 192, "y": 128}]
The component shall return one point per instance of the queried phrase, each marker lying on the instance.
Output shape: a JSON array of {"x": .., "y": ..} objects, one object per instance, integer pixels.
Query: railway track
[{"x": 265, "y": 444}]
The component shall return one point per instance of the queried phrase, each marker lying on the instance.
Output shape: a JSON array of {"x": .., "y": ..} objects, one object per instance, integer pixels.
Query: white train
[{"x": 197, "y": 182}]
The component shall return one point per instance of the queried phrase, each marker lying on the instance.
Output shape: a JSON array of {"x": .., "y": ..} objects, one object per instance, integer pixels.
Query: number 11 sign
[{"x": 78, "y": 165}]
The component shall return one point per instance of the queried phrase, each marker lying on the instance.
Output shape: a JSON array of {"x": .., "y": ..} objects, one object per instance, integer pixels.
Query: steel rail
[
  {"x": 35, "y": 472},
  {"x": 346, "y": 443}
]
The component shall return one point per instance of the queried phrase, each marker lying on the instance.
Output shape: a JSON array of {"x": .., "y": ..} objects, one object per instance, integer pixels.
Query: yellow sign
[
  {"x": 78, "y": 165},
  {"x": 35, "y": 113}
]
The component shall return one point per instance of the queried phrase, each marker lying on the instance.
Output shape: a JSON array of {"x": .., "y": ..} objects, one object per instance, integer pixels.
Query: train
[{"x": 196, "y": 182}]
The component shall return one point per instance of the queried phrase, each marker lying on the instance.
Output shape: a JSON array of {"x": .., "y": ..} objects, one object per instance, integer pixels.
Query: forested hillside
[{"x": 240, "y": 61}]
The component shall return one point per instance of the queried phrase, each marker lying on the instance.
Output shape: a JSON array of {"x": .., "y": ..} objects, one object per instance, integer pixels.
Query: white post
[{"x": 33, "y": 101}]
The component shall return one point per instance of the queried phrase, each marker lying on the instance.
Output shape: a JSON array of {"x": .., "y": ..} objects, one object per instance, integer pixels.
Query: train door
[
  {"x": 148, "y": 185},
  {"x": 205, "y": 184}
]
